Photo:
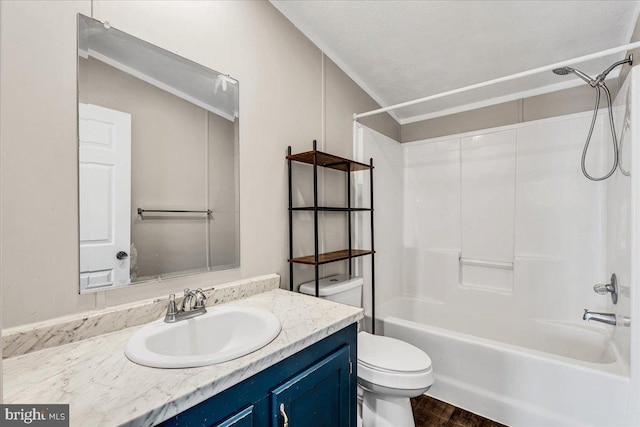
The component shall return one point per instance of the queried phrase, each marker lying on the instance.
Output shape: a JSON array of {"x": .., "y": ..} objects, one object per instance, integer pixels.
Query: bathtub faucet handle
[
  {"x": 602, "y": 288},
  {"x": 605, "y": 288}
]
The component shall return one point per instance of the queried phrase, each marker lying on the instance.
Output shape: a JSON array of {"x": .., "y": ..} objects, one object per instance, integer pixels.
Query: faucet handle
[
  {"x": 172, "y": 309},
  {"x": 606, "y": 288},
  {"x": 200, "y": 298},
  {"x": 186, "y": 300},
  {"x": 602, "y": 288}
]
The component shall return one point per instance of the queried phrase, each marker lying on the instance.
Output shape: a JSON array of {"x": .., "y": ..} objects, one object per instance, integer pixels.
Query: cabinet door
[
  {"x": 318, "y": 397},
  {"x": 243, "y": 418}
]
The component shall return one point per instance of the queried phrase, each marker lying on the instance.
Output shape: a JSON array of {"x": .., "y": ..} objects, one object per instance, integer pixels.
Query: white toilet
[{"x": 390, "y": 371}]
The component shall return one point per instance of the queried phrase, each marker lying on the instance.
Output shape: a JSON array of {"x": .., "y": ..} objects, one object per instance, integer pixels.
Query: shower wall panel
[
  {"x": 620, "y": 220},
  {"x": 431, "y": 214},
  {"x": 387, "y": 175},
  {"x": 502, "y": 221},
  {"x": 560, "y": 217},
  {"x": 488, "y": 168}
]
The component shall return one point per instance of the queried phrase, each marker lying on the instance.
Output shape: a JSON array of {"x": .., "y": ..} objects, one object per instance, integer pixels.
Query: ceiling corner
[{"x": 281, "y": 6}]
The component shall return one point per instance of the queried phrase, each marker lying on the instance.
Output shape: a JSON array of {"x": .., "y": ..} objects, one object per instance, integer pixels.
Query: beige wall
[
  {"x": 481, "y": 118},
  {"x": 281, "y": 78},
  {"x": 574, "y": 100}
]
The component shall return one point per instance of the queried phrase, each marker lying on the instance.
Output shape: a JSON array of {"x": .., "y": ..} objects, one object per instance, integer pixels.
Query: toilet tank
[{"x": 340, "y": 288}]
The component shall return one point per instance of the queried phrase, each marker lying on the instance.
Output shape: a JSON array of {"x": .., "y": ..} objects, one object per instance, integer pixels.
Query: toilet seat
[{"x": 392, "y": 363}]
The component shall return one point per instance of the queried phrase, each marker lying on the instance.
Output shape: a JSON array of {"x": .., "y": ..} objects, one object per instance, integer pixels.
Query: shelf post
[
  {"x": 349, "y": 215},
  {"x": 315, "y": 216},
  {"x": 373, "y": 255},
  {"x": 290, "y": 222}
]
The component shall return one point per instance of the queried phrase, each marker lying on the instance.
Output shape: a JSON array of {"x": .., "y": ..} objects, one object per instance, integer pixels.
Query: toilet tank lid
[{"x": 331, "y": 285}]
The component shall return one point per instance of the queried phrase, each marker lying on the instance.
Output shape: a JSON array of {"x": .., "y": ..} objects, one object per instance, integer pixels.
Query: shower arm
[{"x": 600, "y": 78}]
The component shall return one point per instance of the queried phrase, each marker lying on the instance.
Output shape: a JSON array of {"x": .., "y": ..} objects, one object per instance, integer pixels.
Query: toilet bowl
[{"x": 390, "y": 371}]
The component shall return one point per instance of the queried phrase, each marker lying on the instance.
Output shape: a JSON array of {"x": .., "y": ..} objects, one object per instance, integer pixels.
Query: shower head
[
  {"x": 568, "y": 70},
  {"x": 562, "y": 71}
]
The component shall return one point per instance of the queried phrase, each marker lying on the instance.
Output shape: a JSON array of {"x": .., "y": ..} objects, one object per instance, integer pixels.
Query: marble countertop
[{"x": 104, "y": 388}]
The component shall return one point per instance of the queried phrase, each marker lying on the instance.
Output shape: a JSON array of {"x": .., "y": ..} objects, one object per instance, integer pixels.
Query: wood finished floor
[{"x": 430, "y": 412}]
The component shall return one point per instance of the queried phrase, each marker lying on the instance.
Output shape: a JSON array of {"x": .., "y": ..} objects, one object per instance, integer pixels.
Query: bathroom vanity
[
  {"x": 314, "y": 387},
  {"x": 309, "y": 368}
]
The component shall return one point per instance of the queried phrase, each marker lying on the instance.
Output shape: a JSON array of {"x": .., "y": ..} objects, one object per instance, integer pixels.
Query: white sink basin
[{"x": 222, "y": 334}]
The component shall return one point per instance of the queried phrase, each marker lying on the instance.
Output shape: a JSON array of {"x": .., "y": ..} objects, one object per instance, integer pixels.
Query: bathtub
[{"x": 519, "y": 373}]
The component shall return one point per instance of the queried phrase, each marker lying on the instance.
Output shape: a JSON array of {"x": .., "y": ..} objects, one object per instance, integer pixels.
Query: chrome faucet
[
  {"x": 187, "y": 309},
  {"x": 608, "y": 318}
]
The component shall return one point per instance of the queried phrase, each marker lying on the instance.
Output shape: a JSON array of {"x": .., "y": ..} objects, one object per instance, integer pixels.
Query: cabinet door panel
[
  {"x": 317, "y": 397},
  {"x": 243, "y": 418}
]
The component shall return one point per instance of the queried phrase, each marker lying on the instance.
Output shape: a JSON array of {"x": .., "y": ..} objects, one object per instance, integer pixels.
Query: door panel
[
  {"x": 105, "y": 195},
  {"x": 317, "y": 397},
  {"x": 96, "y": 184},
  {"x": 243, "y": 418}
]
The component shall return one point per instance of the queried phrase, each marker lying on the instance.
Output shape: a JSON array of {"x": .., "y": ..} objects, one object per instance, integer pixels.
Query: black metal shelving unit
[{"x": 319, "y": 159}]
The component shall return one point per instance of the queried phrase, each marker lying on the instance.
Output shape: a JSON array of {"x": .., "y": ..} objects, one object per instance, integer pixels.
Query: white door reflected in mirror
[{"x": 105, "y": 196}]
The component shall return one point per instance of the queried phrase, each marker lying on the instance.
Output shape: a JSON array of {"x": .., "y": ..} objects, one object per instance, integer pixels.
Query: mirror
[{"x": 158, "y": 162}]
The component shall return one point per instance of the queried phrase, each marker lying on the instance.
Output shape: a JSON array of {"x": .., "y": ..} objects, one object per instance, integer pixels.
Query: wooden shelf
[
  {"x": 330, "y": 257},
  {"x": 331, "y": 209},
  {"x": 318, "y": 158},
  {"x": 329, "y": 161}
]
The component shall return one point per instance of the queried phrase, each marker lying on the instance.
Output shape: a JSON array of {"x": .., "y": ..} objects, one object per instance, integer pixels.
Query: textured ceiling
[{"x": 402, "y": 50}]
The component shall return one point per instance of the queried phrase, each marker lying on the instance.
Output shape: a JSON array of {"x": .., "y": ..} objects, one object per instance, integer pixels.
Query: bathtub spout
[{"x": 608, "y": 318}]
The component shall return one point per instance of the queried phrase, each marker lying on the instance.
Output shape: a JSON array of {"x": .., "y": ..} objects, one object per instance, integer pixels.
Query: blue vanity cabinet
[
  {"x": 317, "y": 397},
  {"x": 315, "y": 387}
]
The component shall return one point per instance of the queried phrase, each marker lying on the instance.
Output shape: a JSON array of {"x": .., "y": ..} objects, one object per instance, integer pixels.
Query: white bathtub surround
[
  {"x": 503, "y": 223},
  {"x": 621, "y": 217},
  {"x": 96, "y": 378},
  {"x": 64, "y": 330},
  {"x": 388, "y": 213},
  {"x": 487, "y": 193},
  {"x": 503, "y": 240}
]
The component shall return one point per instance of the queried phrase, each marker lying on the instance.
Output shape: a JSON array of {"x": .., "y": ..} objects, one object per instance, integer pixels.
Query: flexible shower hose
[{"x": 614, "y": 140}]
